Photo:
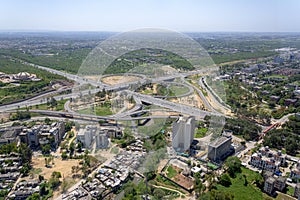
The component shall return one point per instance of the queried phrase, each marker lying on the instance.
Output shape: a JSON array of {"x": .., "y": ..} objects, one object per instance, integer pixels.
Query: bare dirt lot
[
  {"x": 191, "y": 100},
  {"x": 181, "y": 179},
  {"x": 62, "y": 166},
  {"x": 115, "y": 80}
]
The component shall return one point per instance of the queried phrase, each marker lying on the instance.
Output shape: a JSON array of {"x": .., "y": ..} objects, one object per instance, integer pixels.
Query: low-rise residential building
[
  {"x": 195, "y": 170},
  {"x": 269, "y": 185},
  {"x": 266, "y": 159},
  {"x": 295, "y": 174},
  {"x": 280, "y": 183},
  {"x": 24, "y": 189},
  {"x": 273, "y": 182},
  {"x": 274, "y": 98},
  {"x": 10, "y": 134},
  {"x": 290, "y": 102},
  {"x": 10, "y": 165},
  {"x": 78, "y": 193},
  {"x": 113, "y": 174},
  {"x": 43, "y": 134}
]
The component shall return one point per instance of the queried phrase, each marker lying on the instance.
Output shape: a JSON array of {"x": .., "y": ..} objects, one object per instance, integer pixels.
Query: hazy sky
[{"x": 124, "y": 15}]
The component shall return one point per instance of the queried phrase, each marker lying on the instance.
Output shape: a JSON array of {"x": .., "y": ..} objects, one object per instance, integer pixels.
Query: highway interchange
[{"x": 98, "y": 86}]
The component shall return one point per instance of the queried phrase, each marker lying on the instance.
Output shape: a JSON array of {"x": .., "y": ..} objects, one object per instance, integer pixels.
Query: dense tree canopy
[
  {"x": 287, "y": 138},
  {"x": 243, "y": 127},
  {"x": 233, "y": 165}
]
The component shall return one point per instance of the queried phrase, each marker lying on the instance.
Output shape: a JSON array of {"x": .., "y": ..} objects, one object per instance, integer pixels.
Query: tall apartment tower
[
  {"x": 101, "y": 140},
  {"x": 183, "y": 133}
]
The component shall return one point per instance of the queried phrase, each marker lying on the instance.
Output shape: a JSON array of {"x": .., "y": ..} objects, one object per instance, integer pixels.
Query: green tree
[
  {"x": 56, "y": 174},
  {"x": 199, "y": 187},
  {"x": 72, "y": 148},
  {"x": 158, "y": 193},
  {"x": 25, "y": 152},
  {"x": 64, "y": 155},
  {"x": 41, "y": 178},
  {"x": 52, "y": 102},
  {"x": 46, "y": 149},
  {"x": 233, "y": 165},
  {"x": 54, "y": 180},
  {"x": 43, "y": 188},
  {"x": 3, "y": 193},
  {"x": 220, "y": 195},
  {"x": 25, "y": 168},
  {"x": 225, "y": 180},
  {"x": 130, "y": 190},
  {"x": 245, "y": 180},
  {"x": 34, "y": 196},
  {"x": 47, "y": 121},
  {"x": 69, "y": 125},
  {"x": 79, "y": 146}
]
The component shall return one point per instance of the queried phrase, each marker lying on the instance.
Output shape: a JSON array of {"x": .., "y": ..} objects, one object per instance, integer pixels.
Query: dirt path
[{"x": 173, "y": 190}]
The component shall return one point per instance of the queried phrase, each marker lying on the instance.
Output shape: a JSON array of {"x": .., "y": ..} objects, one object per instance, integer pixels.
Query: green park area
[
  {"x": 51, "y": 105},
  {"x": 242, "y": 186}
]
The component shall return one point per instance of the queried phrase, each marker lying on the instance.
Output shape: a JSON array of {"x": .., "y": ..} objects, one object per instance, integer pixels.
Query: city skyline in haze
[{"x": 182, "y": 16}]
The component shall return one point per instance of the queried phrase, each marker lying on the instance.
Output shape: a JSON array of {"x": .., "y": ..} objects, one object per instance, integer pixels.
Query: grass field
[
  {"x": 58, "y": 107},
  {"x": 178, "y": 90},
  {"x": 239, "y": 190},
  {"x": 100, "y": 111},
  {"x": 200, "y": 132},
  {"x": 171, "y": 172},
  {"x": 281, "y": 196},
  {"x": 290, "y": 190},
  {"x": 152, "y": 127}
]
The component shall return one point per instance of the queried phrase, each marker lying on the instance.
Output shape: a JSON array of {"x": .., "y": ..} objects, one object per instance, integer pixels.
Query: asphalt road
[{"x": 145, "y": 98}]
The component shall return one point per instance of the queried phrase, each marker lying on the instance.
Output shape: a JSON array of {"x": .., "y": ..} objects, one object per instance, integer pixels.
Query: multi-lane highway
[
  {"x": 185, "y": 109},
  {"x": 216, "y": 100},
  {"x": 181, "y": 108},
  {"x": 91, "y": 117},
  {"x": 200, "y": 93}
]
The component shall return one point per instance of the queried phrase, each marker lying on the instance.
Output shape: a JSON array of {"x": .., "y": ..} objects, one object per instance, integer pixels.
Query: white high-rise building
[
  {"x": 183, "y": 133},
  {"x": 91, "y": 134},
  {"x": 85, "y": 136},
  {"x": 101, "y": 140}
]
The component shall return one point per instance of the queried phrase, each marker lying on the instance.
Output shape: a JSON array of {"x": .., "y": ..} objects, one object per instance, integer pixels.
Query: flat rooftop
[{"x": 219, "y": 141}]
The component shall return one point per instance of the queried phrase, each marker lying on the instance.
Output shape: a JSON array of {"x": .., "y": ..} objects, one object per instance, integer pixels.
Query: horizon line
[{"x": 107, "y": 31}]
